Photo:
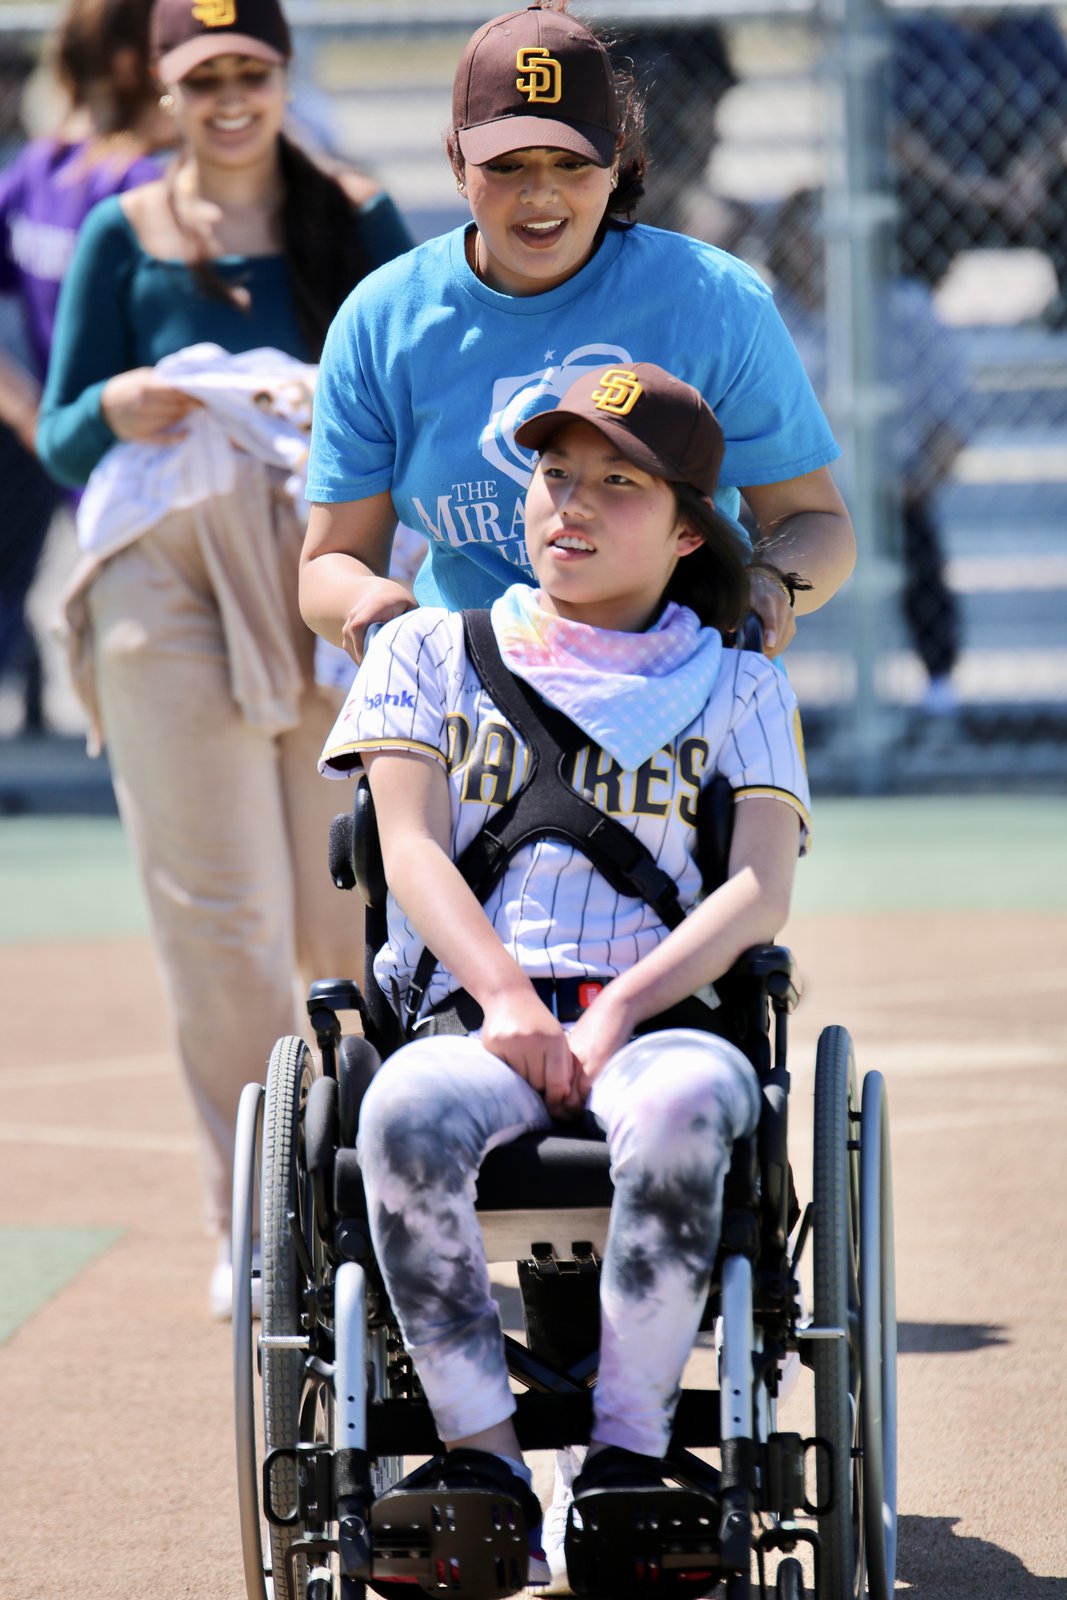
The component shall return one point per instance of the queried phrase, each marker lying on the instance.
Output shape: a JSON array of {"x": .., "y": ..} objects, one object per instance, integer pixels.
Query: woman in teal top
[
  {"x": 200, "y": 667},
  {"x": 124, "y": 307}
]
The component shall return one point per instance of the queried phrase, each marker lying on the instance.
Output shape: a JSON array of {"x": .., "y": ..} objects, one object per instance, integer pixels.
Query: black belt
[
  {"x": 566, "y": 998},
  {"x": 460, "y": 1013}
]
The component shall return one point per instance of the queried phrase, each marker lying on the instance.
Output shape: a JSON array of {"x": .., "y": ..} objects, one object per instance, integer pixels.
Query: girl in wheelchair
[{"x": 561, "y": 996}]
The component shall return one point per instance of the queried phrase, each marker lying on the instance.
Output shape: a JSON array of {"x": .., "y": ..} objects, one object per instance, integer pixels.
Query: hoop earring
[
  {"x": 614, "y": 180},
  {"x": 461, "y": 187}
]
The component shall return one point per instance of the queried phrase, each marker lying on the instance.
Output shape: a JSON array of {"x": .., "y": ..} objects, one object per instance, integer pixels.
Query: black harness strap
[{"x": 545, "y": 804}]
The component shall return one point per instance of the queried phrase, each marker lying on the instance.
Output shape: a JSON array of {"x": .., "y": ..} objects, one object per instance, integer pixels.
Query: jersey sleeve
[
  {"x": 399, "y": 699},
  {"x": 762, "y": 755}
]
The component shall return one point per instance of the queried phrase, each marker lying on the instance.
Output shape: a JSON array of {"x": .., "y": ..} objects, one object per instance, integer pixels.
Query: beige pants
[{"x": 228, "y": 820}]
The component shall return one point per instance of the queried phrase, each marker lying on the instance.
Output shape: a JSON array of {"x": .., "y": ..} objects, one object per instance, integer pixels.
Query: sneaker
[
  {"x": 539, "y": 1576},
  {"x": 554, "y": 1529},
  {"x": 220, "y": 1288}
]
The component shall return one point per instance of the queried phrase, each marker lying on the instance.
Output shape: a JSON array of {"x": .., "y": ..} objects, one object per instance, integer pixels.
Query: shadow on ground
[
  {"x": 947, "y": 1338},
  {"x": 938, "y": 1564}
]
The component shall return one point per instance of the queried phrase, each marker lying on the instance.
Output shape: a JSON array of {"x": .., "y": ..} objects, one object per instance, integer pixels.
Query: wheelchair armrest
[
  {"x": 320, "y": 1146},
  {"x": 771, "y": 965},
  {"x": 357, "y": 1064}
]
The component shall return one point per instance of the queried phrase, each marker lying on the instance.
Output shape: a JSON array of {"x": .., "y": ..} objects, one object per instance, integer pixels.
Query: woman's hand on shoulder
[
  {"x": 140, "y": 405},
  {"x": 804, "y": 529},
  {"x": 380, "y": 600},
  {"x": 770, "y": 602},
  {"x": 521, "y": 1030},
  {"x": 344, "y": 566}
]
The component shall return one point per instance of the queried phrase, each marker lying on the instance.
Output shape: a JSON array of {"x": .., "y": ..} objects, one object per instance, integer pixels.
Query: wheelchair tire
[
  {"x": 837, "y": 1362},
  {"x": 789, "y": 1580},
  {"x": 285, "y": 1191},
  {"x": 878, "y": 1333}
]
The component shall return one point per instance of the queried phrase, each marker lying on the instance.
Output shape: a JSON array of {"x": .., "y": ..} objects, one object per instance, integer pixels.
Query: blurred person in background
[
  {"x": 927, "y": 364},
  {"x": 105, "y": 143},
  {"x": 180, "y": 387},
  {"x": 979, "y": 104},
  {"x": 682, "y": 72}
]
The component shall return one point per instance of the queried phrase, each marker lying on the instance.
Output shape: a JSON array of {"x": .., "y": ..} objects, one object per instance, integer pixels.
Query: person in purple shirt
[{"x": 106, "y": 143}]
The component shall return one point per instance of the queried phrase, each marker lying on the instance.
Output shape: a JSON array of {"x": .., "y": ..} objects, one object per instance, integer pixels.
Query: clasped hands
[{"x": 561, "y": 1065}]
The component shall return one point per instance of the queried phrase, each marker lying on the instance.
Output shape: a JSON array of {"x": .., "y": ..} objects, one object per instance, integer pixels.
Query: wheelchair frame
[{"x": 341, "y": 1404}]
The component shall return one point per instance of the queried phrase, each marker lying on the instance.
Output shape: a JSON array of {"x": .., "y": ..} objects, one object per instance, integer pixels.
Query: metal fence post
[{"x": 860, "y": 403}]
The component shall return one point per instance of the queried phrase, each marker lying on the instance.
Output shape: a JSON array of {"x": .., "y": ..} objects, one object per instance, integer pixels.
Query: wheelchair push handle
[{"x": 749, "y": 636}]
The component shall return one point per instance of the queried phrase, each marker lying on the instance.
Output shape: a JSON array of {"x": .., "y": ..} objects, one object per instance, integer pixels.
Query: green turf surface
[
  {"x": 942, "y": 853},
  {"x": 66, "y": 878},
  {"x": 72, "y": 878},
  {"x": 35, "y": 1263}
]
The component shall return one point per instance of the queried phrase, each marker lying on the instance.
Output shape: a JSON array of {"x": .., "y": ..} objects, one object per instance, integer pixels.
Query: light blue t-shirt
[{"x": 427, "y": 373}]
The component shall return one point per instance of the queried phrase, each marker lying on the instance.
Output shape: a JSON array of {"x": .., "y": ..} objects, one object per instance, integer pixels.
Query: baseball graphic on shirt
[{"x": 516, "y": 399}]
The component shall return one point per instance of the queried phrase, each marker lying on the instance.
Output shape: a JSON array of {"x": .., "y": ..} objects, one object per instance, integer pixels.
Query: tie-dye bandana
[{"x": 630, "y": 692}]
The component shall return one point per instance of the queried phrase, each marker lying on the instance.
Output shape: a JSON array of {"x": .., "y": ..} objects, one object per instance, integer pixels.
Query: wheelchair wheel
[
  {"x": 878, "y": 1325},
  {"x": 837, "y": 1362},
  {"x": 295, "y": 1410}
]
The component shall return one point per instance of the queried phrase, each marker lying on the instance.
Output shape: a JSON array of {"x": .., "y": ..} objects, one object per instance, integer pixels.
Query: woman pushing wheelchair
[{"x": 578, "y": 998}]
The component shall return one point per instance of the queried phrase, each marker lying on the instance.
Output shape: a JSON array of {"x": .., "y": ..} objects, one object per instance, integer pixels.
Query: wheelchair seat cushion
[{"x": 550, "y": 1171}]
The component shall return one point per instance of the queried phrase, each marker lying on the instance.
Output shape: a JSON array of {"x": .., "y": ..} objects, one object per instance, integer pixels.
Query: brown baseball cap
[
  {"x": 535, "y": 79},
  {"x": 187, "y": 32},
  {"x": 658, "y": 422}
]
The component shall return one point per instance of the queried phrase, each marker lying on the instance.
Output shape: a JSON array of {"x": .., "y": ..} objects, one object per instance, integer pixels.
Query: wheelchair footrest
[
  {"x": 632, "y": 1541},
  {"x": 471, "y": 1543}
]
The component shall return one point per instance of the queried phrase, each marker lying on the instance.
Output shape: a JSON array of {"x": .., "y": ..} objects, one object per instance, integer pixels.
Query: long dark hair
[
  {"x": 321, "y": 240},
  {"x": 711, "y": 580}
]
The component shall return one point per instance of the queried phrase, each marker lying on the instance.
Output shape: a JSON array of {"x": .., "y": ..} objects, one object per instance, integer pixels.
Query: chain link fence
[{"x": 901, "y": 178}]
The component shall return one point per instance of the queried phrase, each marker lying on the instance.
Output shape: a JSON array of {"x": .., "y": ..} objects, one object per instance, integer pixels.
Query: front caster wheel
[{"x": 789, "y": 1581}]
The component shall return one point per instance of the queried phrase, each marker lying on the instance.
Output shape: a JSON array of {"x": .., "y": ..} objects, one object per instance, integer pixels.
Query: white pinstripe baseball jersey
[{"x": 417, "y": 691}]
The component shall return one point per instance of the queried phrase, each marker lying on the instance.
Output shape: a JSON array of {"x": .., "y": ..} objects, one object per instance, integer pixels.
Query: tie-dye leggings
[{"x": 671, "y": 1105}]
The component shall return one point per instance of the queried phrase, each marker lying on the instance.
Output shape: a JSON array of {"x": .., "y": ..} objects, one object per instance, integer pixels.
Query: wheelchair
[{"x": 337, "y": 1407}]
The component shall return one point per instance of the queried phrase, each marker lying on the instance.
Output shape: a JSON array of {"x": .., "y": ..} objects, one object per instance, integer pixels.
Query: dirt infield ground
[{"x": 116, "y": 1476}]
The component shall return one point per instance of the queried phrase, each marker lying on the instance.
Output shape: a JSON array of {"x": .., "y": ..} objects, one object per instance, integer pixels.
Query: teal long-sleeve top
[{"x": 122, "y": 308}]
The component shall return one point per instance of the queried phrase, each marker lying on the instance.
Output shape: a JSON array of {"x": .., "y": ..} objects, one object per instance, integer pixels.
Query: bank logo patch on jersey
[
  {"x": 617, "y": 391},
  {"x": 540, "y": 76},
  {"x": 216, "y": 13}
]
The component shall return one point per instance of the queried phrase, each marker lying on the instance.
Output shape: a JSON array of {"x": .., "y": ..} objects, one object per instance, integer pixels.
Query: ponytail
[{"x": 711, "y": 580}]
